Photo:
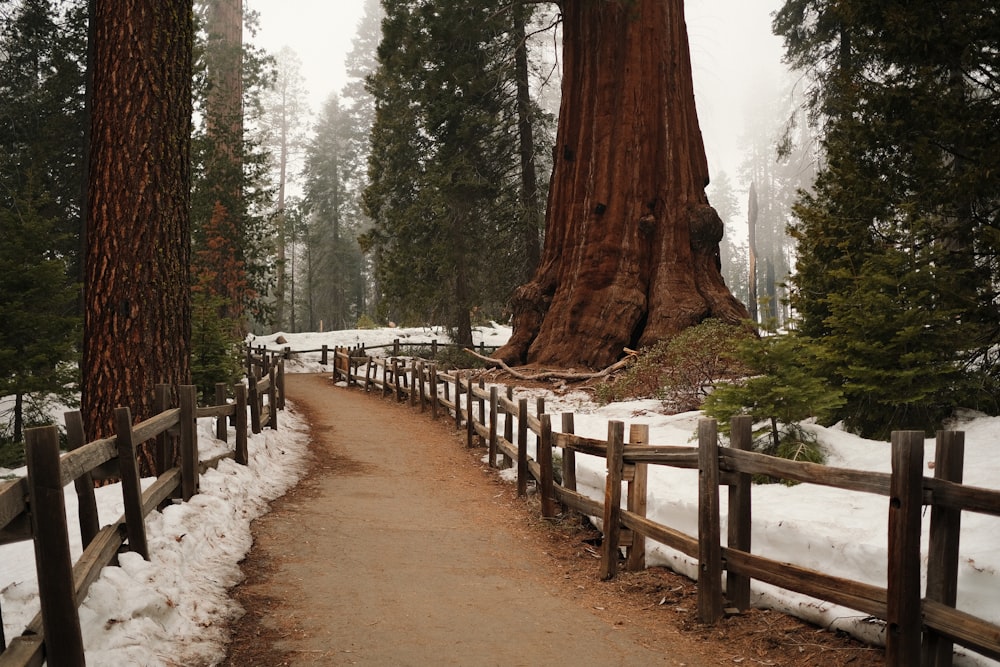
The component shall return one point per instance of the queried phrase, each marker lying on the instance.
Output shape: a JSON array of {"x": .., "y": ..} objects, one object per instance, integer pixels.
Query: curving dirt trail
[
  {"x": 402, "y": 548},
  {"x": 399, "y": 549}
]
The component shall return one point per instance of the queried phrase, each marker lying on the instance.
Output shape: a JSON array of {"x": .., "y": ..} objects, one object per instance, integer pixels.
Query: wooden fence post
[
  {"x": 395, "y": 380},
  {"x": 612, "y": 501},
  {"x": 638, "y": 434},
  {"x": 434, "y": 348},
  {"x": 368, "y": 375},
  {"x": 272, "y": 399},
  {"x": 240, "y": 408},
  {"x": 395, "y": 347},
  {"x": 162, "y": 401},
  {"x": 738, "y": 529},
  {"x": 411, "y": 384},
  {"x": 568, "y": 455},
  {"x": 539, "y": 410},
  {"x": 942, "y": 551},
  {"x": 418, "y": 368},
  {"x": 902, "y": 639},
  {"x": 458, "y": 402},
  {"x": 221, "y": 427},
  {"x": 434, "y": 391},
  {"x": 53, "y": 561},
  {"x": 265, "y": 361},
  {"x": 188, "y": 399},
  {"x": 508, "y": 429},
  {"x": 709, "y": 524},
  {"x": 253, "y": 397},
  {"x": 470, "y": 421},
  {"x": 324, "y": 355},
  {"x": 544, "y": 456},
  {"x": 482, "y": 405},
  {"x": 128, "y": 465},
  {"x": 90, "y": 523},
  {"x": 280, "y": 392},
  {"x": 494, "y": 406},
  {"x": 522, "y": 447},
  {"x": 385, "y": 377}
]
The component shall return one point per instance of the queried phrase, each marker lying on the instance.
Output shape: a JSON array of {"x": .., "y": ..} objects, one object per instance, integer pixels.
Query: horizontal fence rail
[
  {"x": 921, "y": 629},
  {"x": 257, "y": 354},
  {"x": 33, "y": 507}
]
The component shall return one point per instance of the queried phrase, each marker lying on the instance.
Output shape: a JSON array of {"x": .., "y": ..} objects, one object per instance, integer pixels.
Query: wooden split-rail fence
[
  {"x": 920, "y": 629},
  {"x": 33, "y": 507}
]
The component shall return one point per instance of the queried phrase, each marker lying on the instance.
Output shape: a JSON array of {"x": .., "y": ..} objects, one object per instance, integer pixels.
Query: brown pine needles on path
[{"x": 402, "y": 548}]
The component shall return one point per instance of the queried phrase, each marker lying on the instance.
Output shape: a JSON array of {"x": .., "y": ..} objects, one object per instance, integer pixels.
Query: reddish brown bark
[
  {"x": 137, "y": 275},
  {"x": 631, "y": 246}
]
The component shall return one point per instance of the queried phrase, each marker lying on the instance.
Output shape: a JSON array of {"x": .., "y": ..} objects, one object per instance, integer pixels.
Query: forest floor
[{"x": 401, "y": 547}]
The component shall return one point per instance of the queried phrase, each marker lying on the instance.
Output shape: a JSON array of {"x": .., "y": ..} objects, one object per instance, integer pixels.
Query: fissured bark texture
[
  {"x": 632, "y": 246},
  {"x": 137, "y": 306}
]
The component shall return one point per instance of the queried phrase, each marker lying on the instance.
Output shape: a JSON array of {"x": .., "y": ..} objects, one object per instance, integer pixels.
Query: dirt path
[
  {"x": 402, "y": 548},
  {"x": 393, "y": 553}
]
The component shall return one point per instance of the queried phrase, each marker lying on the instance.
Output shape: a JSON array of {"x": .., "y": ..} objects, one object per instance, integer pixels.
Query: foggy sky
[{"x": 732, "y": 49}]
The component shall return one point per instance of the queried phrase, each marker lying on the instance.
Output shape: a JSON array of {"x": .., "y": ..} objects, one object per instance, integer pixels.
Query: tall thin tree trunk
[
  {"x": 18, "y": 417},
  {"x": 752, "y": 213},
  {"x": 631, "y": 250},
  {"x": 279, "y": 288},
  {"x": 137, "y": 321},
  {"x": 530, "y": 206},
  {"x": 224, "y": 123}
]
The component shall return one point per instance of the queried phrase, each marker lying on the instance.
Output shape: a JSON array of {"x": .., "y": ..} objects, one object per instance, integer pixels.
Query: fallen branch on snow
[{"x": 557, "y": 375}]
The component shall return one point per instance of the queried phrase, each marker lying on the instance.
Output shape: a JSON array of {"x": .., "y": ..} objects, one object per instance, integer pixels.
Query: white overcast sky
[{"x": 731, "y": 43}]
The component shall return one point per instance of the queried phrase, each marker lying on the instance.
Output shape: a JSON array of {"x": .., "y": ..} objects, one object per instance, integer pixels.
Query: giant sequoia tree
[
  {"x": 137, "y": 287},
  {"x": 632, "y": 246}
]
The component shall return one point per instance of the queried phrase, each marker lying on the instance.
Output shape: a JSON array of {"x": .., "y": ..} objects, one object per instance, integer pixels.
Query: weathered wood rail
[
  {"x": 33, "y": 507},
  {"x": 920, "y": 629},
  {"x": 259, "y": 353}
]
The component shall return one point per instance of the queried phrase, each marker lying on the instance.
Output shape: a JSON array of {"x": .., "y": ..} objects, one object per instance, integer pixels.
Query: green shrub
[
  {"x": 780, "y": 391},
  {"x": 216, "y": 352},
  {"x": 449, "y": 357},
  {"x": 366, "y": 322},
  {"x": 11, "y": 454},
  {"x": 680, "y": 371}
]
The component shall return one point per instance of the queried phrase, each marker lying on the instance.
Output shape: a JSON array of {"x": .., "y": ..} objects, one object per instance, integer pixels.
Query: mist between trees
[{"x": 417, "y": 194}]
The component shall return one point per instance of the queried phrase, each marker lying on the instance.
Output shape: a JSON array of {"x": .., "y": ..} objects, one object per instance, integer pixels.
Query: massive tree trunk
[
  {"x": 137, "y": 288},
  {"x": 632, "y": 247}
]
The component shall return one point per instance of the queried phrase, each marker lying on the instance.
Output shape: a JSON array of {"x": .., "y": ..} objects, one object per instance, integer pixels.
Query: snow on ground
[{"x": 172, "y": 610}]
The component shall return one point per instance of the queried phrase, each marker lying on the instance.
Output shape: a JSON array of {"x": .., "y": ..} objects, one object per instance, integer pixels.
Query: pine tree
[
  {"x": 897, "y": 268},
  {"x": 41, "y": 153},
  {"x": 444, "y": 150},
  {"x": 733, "y": 252},
  {"x": 334, "y": 281},
  {"x": 42, "y": 115},
  {"x": 283, "y": 135},
  {"x": 39, "y": 326},
  {"x": 780, "y": 391}
]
